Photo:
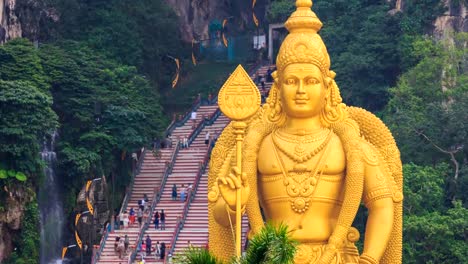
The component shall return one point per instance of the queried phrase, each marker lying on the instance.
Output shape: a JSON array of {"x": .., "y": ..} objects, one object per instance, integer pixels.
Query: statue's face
[{"x": 302, "y": 90}]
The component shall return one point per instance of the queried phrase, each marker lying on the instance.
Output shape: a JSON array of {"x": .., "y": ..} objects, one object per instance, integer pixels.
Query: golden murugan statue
[{"x": 308, "y": 161}]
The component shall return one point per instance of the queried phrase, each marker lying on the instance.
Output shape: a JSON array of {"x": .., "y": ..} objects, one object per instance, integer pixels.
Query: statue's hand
[{"x": 228, "y": 186}]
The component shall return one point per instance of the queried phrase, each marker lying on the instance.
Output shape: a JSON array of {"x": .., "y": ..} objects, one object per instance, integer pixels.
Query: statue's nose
[{"x": 300, "y": 87}]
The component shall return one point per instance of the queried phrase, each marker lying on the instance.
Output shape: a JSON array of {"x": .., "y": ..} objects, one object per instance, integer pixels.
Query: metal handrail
[
  {"x": 156, "y": 198},
  {"x": 102, "y": 244},
  {"x": 132, "y": 182},
  {"x": 196, "y": 182},
  {"x": 177, "y": 123},
  {"x": 206, "y": 122}
]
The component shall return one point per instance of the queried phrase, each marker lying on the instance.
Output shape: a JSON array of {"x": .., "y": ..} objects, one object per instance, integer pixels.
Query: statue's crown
[{"x": 303, "y": 44}]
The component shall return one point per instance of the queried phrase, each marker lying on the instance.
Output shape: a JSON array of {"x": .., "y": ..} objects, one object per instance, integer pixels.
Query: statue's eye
[
  {"x": 312, "y": 81},
  {"x": 290, "y": 81}
]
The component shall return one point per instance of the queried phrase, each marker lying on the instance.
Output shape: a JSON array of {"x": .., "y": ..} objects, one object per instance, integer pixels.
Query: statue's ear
[{"x": 275, "y": 77}]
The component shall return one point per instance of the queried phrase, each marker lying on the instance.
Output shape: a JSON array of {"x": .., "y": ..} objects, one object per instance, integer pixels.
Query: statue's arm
[{"x": 377, "y": 197}]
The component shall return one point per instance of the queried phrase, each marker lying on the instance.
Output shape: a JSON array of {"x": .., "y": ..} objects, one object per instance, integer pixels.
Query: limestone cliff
[
  {"x": 13, "y": 201},
  {"x": 22, "y": 18},
  {"x": 454, "y": 18},
  {"x": 195, "y": 16},
  {"x": 90, "y": 227}
]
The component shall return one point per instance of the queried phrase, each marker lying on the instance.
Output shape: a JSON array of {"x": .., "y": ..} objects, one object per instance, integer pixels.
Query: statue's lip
[{"x": 301, "y": 100}]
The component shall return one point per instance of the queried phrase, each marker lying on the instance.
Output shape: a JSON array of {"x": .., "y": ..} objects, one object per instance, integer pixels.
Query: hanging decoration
[
  {"x": 225, "y": 41},
  {"x": 90, "y": 206},
  {"x": 64, "y": 250},
  {"x": 176, "y": 78},
  {"x": 194, "y": 60},
  {"x": 255, "y": 19},
  {"x": 78, "y": 240}
]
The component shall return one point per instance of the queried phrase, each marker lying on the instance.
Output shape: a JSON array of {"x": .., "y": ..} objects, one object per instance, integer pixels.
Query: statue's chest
[{"x": 284, "y": 179}]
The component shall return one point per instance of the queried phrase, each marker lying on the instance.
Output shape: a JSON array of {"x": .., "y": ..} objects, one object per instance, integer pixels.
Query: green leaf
[
  {"x": 11, "y": 173},
  {"x": 3, "y": 174},
  {"x": 21, "y": 176}
]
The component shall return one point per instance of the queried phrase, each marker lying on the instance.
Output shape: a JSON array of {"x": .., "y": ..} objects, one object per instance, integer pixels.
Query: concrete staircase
[{"x": 145, "y": 182}]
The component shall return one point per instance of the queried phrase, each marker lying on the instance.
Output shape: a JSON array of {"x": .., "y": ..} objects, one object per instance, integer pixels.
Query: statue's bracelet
[{"x": 366, "y": 259}]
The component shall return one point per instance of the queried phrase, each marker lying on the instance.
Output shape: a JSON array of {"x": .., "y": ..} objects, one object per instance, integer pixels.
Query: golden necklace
[
  {"x": 300, "y": 183},
  {"x": 299, "y": 155}
]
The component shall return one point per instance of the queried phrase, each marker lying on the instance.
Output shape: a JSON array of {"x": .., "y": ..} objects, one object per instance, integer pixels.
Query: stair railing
[
  {"x": 177, "y": 123},
  {"x": 206, "y": 122},
  {"x": 180, "y": 224},
  {"x": 129, "y": 192},
  {"x": 102, "y": 244},
  {"x": 156, "y": 198}
]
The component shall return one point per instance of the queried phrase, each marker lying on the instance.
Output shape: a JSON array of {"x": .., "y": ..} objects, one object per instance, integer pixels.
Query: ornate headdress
[{"x": 303, "y": 43}]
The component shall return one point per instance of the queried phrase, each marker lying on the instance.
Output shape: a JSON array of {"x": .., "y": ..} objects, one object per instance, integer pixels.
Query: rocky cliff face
[
  {"x": 22, "y": 18},
  {"x": 195, "y": 16},
  {"x": 90, "y": 227},
  {"x": 13, "y": 201},
  {"x": 454, "y": 19}
]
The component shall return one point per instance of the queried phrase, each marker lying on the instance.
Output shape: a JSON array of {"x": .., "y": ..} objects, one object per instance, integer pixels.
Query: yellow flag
[
  {"x": 194, "y": 60},
  {"x": 64, "y": 251},
  {"x": 77, "y": 217},
  {"x": 78, "y": 240},
  {"x": 176, "y": 78},
  {"x": 88, "y": 184},
  {"x": 90, "y": 206},
  {"x": 225, "y": 41},
  {"x": 255, "y": 19}
]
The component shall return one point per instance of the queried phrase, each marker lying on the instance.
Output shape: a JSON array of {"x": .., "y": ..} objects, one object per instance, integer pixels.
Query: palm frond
[
  {"x": 196, "y": 255},
  {"x": 272, "y": 245}
]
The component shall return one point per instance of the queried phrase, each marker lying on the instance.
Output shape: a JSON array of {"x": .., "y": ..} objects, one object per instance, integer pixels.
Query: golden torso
[{"x": 306, "y": 194}]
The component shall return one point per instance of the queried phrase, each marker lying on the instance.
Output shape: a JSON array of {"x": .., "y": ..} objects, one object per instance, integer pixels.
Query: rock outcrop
[
  {"x": 91, "y": 226},
  {"x": 453, "y": 20},
  {"x": 13, "y": 203},
  {"x": 22, "y": 18}
]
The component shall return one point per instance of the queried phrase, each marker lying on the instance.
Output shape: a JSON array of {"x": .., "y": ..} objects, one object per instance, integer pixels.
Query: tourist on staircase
[
  {"x": 162, "y": 254},
  {"x": 163, "y": 220},
  {"x": 126, "y": 243},
  {"x": 207, "y": 138},
  {"x": 121, "y": 248},
  {"x": 185, "y": 142},
  {"x": 156, "y": 220},
  {"x": 174, "y": 192},
  {"x": 132, "y": 216},
  {"x": 140, "y": 216},
  {"x": 148, "y": 245},
  {"x": 125, "y": 219},
  {"x": 182, "y": 193}
]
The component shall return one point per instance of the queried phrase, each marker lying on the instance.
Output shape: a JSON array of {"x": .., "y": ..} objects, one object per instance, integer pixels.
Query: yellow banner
[
  {"x": 255, "y": 19},
  {"x": 225, "y": 41},
  {"x": 88, "y": 184},
  {"x": 64, "y": 251},
  {"x": 176, "y": 78},
  {"x": 78, "y": 240},
  {"x": 194, "y": 60},
  {"x": 77, "y": 217},
  {"x": 90, "y": 206}
]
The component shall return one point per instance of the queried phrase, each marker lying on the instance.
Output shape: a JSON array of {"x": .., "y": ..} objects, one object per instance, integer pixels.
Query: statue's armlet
[{"x": 376, "y": 184}]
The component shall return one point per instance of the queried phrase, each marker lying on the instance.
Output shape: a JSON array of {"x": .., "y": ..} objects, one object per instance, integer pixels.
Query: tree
[
  {"x": 26, "y": 117},
  {"x": 427, "y": 110}
]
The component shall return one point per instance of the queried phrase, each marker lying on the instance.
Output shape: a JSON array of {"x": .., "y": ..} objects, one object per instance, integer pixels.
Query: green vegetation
[
  {"x": 27, "y": 250},
  {"x": 366, "y": 44},
  {"x": 101, "y": 73},
  {"x": 206, "y": 78},
  {"x": 273, "y": 245}
]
